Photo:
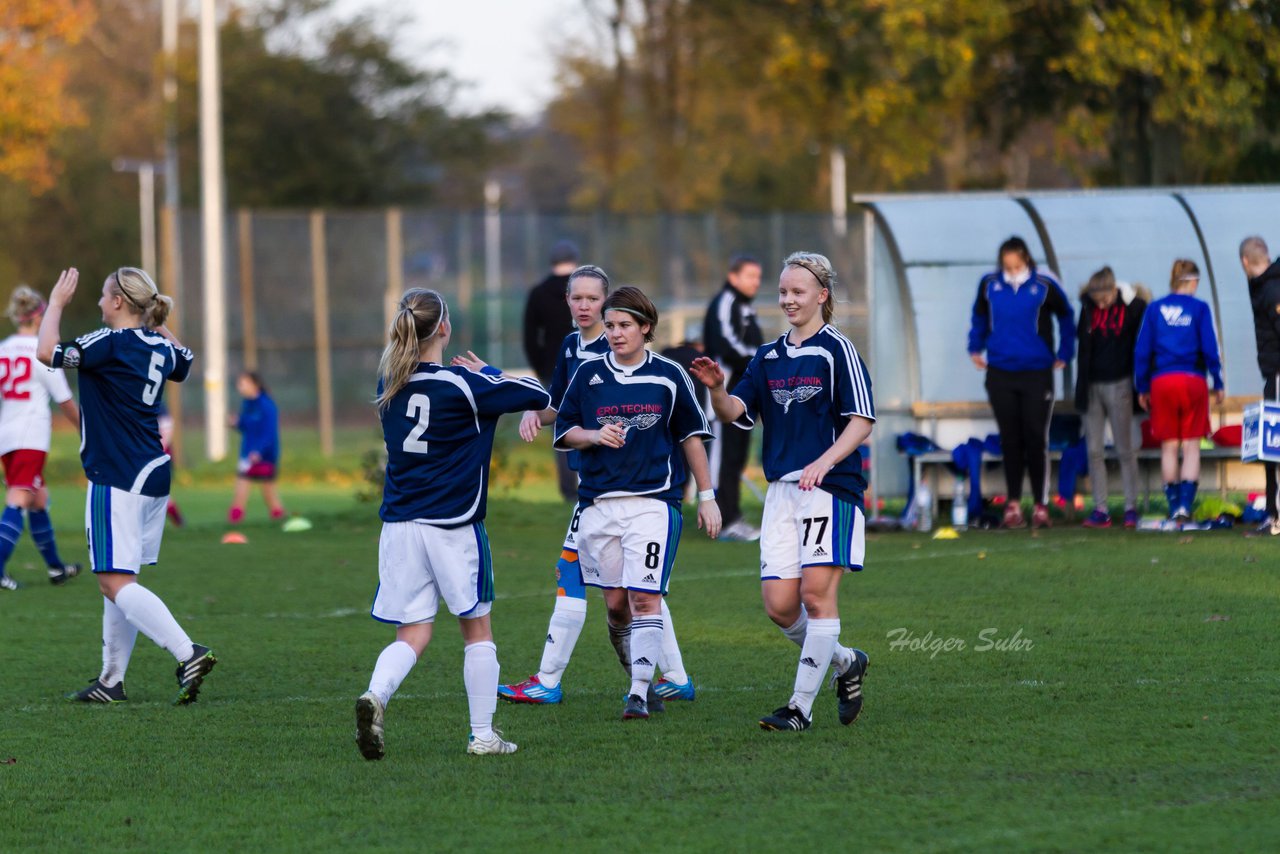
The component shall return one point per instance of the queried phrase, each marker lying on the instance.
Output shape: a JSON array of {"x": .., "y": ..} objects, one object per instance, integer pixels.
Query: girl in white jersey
[
  {"x": 813, "y": 393},
  {"x": 123, "y": 369},
  {"x": 26, "y": 387}
]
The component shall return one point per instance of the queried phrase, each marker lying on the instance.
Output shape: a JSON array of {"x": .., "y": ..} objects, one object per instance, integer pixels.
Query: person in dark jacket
[
  {"x": 1107, "y": 332},
  {"x": 547, "y": 321},
  {"x": 1012, "y": 322},
  {"x": 731, "y": 336},
  {"x": 1264, "y": 294},
  {"x": 259, "y": 426}
]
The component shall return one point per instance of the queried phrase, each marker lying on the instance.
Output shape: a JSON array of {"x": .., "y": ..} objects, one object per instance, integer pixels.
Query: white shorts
[
  {"x": 418, "y": 564},
  {"x": 571, "y": 535},
  {"x": 629, "y": 542},
  {"x": 814, "y": 528},
  {"x": 123, "y": 529}
]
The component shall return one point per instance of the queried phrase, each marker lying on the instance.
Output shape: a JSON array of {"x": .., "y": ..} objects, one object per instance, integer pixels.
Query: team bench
[{"x": 931, "y": 464}]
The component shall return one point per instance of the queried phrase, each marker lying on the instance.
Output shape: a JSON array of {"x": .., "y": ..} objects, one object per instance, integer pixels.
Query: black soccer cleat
[
  {"x": 99, "y": 693},
  {"x": 191, "y": 674},
  {"x": 848, "y": 688},
  {"x": 61, "y": 574},
  {"x": 636, "y": 709},
  {"x": 786, "y": 719},
  {"x": 369, "y": 726},
  {"x": 655, "y": 703}
]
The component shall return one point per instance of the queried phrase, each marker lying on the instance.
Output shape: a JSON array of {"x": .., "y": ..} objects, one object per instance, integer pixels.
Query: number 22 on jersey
[{"x": 14, "y": 375}]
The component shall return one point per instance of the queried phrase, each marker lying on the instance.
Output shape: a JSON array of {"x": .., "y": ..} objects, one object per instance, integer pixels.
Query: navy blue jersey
[
  {"x": 122, "y": 376},
  {"x": 654, "y": 400},
  {"x": 259, "y": 426},
  {"x": 805, "y": 396},
  {"x": 439, "y": 434},
  {"x": 573, "y": 352}
]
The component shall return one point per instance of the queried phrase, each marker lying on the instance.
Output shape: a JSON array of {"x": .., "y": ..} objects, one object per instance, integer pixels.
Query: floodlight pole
[
  {"x": 839, "y": 192},
  {"x": 146, "y": 172},
  {"x": 212, "y": 216}
]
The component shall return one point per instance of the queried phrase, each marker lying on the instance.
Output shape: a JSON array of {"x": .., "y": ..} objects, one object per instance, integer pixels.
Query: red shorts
[
  {"x": 257, "y": 471},
  {"x": 24, "y": 469},
  {"x": 1179, "y": 407}
]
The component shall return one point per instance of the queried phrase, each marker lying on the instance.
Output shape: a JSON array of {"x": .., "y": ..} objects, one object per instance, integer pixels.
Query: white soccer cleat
[
  {"x": 494, "y": 744},
  {"x": 369, "y": 712}
]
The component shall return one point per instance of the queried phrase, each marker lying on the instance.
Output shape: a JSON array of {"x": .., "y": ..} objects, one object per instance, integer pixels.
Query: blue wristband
[{"x": 491, "y": 371}]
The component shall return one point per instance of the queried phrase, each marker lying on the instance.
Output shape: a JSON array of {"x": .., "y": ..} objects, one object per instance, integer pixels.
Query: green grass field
[{"x": 1137, "y": 713}]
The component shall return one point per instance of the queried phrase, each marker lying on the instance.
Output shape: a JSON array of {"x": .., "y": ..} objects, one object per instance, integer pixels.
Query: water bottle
[
  {"x": 924, "y": 509},
  {"x": 959, "y": 507}
]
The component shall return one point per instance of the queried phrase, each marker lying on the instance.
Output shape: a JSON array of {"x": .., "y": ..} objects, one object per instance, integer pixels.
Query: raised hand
[
  {"x": 470, "y": 361},
  {"x": 707, "y": 371},
  {"x": 65, "y": 289}
]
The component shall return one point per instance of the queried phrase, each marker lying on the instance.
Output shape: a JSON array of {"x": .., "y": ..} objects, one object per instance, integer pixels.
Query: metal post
[
  {"x": 493, "y": 269},
  {"x": 248, "y": 301},
  {"x": 170, "y": 274},
  {"x": 213, "y": 214},
  {"x": 839, "y": 192},
  {"x": 395, "y": 263},
  {"x": 324, "y": 355}
]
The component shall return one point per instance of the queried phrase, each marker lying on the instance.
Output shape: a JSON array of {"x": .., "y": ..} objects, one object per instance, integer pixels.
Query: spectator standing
[
  {"x": 547, "y": 321},
  {"x": 1106, "y": 335},
  {"x": 731, "y": 336},
  {"x": 1012, "y": 323},
  {"x": 1264, "y": 294},
  {"x": 1176, "y": 345}
]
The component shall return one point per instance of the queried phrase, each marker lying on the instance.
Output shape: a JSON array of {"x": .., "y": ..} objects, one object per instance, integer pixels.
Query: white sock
[
  {"x": 394, "y": 664},
  {"x": 149, "y": 615},
  {"x": 567, "y": 621},
  {"x": 670, "y": 660},
  {"x": 480, "y": 675},
  {"x": 842, "y": 658},
  {"x": 620, "y": 637},
  {"x": 795, "y": 633},
  {"x": 118, "y": 635},
  {"x": 819, "y": 645},
  {"x": 646, "y": 646}
]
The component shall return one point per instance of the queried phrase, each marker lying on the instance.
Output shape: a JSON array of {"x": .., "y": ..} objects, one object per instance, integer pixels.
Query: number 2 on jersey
[
  {"x": 14, "y": 374},
  {"x": 155, "y": 379},
  {"x": 419, "y": 408}
]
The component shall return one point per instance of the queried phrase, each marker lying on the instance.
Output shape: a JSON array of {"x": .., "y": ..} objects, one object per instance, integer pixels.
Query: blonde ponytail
[
  {"x": 143, "y": 297},
  {"x": 24, "y": 305},
  {"x": 418, "y": 318}
]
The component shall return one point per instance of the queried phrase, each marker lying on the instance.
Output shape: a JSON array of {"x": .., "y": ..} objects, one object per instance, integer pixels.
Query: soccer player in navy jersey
[
  {"x": 123, "y": 369},
  {"x": 813, "y": 393},
  {"x": 438, "y": 422},
  {"x": 634, "y": 419},
  {"x": 587, "y": 290}
]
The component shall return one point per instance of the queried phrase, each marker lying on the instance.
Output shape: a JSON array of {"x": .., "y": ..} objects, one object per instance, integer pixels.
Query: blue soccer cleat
[
  {"x": 669, "y": 690},
  {"x": 530, "y": 691}
]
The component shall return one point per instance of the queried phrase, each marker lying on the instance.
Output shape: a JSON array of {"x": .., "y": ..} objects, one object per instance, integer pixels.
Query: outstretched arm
[
  {"x": 51, "y": 324},
  {"x": 711, "y": 375}
]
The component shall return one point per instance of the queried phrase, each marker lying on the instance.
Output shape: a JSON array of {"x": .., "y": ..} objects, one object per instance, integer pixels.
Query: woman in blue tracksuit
[
  {"x": 259, "y": 426},
  {"x": 1013, "y": 323}
]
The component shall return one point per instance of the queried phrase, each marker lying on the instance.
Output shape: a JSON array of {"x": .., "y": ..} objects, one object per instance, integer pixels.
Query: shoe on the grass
[
  {"x": 636, "y": 709},
  {"x": 1013, "y": 516},
  {"x": 668, "y": 690},
  {"x": 492, "y": 746},
  {"x": 191, "y": 674},
  {"x": 7, "y": 583},
  {"x": 96, "y": 692},
  {"x": 740, "y": 532},
  {"x": 1131, "y": 518},
  {"x": 1097, "y": 519},
  {"x": 369, "y": 729},
  {"x": 786, "y": 719},
  {"x": 1040, "y": 517},
  {"x": 530, "y": 691},
  {"x": 848, "y": 687},
  {"x": 61, "y": 574}
]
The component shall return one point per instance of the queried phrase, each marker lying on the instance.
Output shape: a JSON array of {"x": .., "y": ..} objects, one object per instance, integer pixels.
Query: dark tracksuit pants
[
  {"x": 1023, "y": 404},
  {"x": 1271, "y": 391},
  {"x": 735, "y": 445}
]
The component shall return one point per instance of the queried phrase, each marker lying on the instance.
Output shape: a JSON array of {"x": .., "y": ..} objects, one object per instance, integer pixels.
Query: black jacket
[
  {"x": 730, "y": 332},
  {"x": 1129, "y": 316},
  {"x": 1264, "y": 294},
  {"x": 547, "y": 321}
]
